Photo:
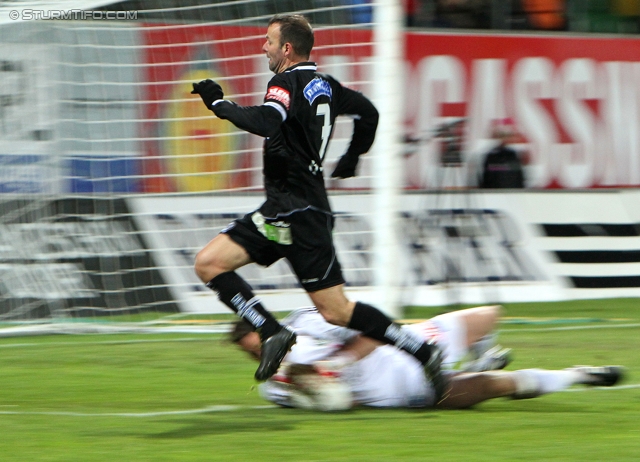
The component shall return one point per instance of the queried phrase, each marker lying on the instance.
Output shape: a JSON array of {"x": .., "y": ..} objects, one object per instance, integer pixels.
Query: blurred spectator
[
  {"x": 626, "y": 7},
  {"x": 546, "y": 14},
  {"x": 467, "y": 14},
  {"x": 361, "y": 11},
  {"x": 627, "y": 13},
  {"x": 502, "y": 167},
  {"x": 410, "y": 10}
]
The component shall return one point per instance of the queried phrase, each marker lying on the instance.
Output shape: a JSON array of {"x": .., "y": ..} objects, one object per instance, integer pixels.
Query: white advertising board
[{"x": 462, "y": 247}]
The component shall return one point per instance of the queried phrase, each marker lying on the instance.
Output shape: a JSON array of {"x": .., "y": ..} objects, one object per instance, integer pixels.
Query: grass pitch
[{"x": 192, "y": 398}]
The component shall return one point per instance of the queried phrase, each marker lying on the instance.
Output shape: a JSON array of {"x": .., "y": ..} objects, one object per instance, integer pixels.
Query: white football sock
[{"x": 536, "y": 382}]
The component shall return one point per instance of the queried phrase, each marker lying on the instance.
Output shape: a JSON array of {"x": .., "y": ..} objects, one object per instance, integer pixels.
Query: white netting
[{"x": 113, "y": 175}]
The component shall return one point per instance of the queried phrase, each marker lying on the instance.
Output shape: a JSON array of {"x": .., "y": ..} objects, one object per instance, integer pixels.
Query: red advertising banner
[
  {"x": 187, "y": 149},
  {"x": 575, "y": 102}
]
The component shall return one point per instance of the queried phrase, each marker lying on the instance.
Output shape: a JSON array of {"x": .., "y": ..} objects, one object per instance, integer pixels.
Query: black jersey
[
  {"x": 308, "y": 103},
  {"x": 502, "y": 169}
]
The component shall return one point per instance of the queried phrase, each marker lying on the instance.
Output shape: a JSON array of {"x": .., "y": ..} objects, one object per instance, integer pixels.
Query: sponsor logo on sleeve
[
  {"x": 280, "y": 95},
  {"x": 317, "y": 87}
]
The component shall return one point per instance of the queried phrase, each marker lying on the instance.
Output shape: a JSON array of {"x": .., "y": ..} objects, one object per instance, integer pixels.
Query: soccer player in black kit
[{"x": 295, "y": 222}]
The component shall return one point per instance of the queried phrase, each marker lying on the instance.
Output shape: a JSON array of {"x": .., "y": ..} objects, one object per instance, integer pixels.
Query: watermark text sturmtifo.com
[{"x": 30, "y": 15}]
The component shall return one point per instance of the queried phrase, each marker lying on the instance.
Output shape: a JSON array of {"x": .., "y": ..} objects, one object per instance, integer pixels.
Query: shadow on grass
[
  {"x": 543, "y": 405},
  {"x": 196, "y": 427},
  {"x": 278, "y": 420}
]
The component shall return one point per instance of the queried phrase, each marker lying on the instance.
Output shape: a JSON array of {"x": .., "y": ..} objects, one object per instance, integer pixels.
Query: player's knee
[
  {"x": 494, "y": 311},
  {"x": 333, "y": 317},
  {"x": 338, "y": 316},
  {"x": 489, "y": 314},
  {"x": 333, "y": 305},
  {"x": 200, "y": 266},
  {"x": 498, "y": 311},
  {"x": 204, "y": 266}
]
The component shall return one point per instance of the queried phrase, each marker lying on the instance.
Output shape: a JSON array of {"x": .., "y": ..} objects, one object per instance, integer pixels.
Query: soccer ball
[{"x": 319, "y": 392}]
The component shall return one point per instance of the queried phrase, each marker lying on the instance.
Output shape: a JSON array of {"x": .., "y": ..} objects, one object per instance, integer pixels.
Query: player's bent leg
[
  {"x": 479, "y": 321},
  {"x": 454, "y": 331},
  {"x": 215, "y": 265},
  {"x": 481, "y": 339},
  {"x": 535, "y": 382},
  {"x": 220, "y": 255},
  {"x": 468, "y": 389},
  {"x": 333, "y": 305}
]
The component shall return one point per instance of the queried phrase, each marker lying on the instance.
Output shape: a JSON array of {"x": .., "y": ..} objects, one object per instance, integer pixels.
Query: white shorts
[{"x": 449, "y": 332}]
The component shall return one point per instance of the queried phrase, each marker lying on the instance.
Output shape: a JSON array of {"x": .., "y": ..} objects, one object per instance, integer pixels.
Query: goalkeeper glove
[
  {"x": 209, "y": 91},
  {"x": 333, "y": 365},
  {"x": 346, "y": 167}
]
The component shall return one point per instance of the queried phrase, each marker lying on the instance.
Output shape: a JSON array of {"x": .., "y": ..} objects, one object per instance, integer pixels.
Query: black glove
[
  {"x": 209, "y": 91},
  {"x": 346, "y": 167}
]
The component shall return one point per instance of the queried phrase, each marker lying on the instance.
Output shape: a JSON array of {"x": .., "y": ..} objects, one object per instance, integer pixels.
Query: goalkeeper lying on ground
[{"x": 334, "y": 368}]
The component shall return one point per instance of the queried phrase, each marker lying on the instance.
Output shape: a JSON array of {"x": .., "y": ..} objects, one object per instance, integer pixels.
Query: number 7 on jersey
[{"x": 324, "y": 110}]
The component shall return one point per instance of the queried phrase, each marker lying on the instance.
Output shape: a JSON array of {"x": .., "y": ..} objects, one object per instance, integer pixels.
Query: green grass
[{"x": 109, "y": 398}]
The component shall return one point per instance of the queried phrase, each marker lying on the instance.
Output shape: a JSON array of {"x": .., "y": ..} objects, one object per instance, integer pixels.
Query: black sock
[
  {"x": 234, "y": 292},
  {"x": 375, "y": 324}
]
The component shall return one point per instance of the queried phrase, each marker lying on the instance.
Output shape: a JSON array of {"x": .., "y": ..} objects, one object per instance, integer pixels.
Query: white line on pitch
[
  {"x": 212, "y": 338},
  {"x": 221, "y": 408},
  {"x": 544, "y": 329},
  {"x": 204, "y": 410},
  {"x": 618, "y": 387},
  {"x": 109, "y": 342}
]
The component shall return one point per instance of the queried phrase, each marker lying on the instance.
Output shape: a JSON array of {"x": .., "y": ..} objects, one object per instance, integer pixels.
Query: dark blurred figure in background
[
  {"x": 465, "y": 14},
  {"x": 361, "y": 11},
  {"x": 410, "y": 8},
  {"x": 502, "y": 167}
]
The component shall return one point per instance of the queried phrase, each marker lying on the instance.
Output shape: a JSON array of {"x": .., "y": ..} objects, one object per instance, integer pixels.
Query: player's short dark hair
[
  {"x": 296, "y": 30},
  {"x": 240, "y": 330}
]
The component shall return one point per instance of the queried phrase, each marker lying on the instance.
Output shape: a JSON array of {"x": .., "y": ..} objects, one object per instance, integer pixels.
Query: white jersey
[{"x": 387, "y": 377}]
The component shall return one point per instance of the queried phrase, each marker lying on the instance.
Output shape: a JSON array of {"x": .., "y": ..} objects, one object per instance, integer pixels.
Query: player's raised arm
[{"x": 260, "y": 120}]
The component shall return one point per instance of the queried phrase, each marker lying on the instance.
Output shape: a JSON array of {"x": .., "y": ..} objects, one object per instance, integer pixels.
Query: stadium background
[{"x": 113, "y": 175}]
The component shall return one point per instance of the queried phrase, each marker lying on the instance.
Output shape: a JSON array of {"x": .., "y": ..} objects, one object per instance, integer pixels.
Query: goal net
[{"x": 113, "y": 176}]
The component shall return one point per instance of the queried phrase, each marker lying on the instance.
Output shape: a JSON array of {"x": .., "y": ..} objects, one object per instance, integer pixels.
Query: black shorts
[{"x": 304, "y": 238}]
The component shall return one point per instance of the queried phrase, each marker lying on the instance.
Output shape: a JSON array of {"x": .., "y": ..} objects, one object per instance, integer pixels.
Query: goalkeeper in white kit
[{"x": 334, "y": 368}]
